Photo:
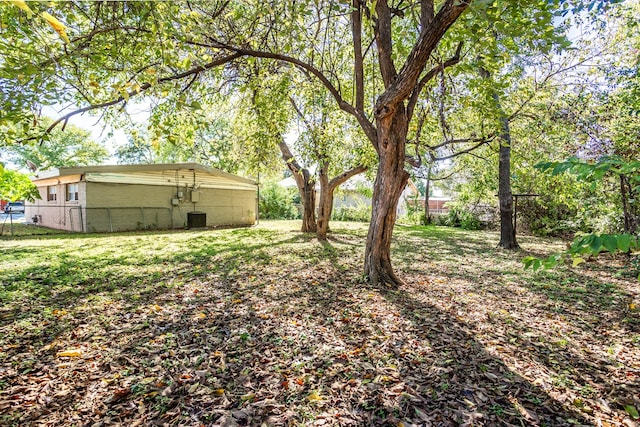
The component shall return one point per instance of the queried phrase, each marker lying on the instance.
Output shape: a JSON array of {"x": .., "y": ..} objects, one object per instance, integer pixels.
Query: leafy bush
[
  {"x": 277, "y": 202},
  {"x": 462, "y": 217},
  {"x": 360, "y": 213}
]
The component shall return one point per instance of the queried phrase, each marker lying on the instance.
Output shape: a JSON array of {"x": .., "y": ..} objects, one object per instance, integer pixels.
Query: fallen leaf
[
  {"x": 119, "y": 394},
  {"x": 72, "y": 352},
  {"x": 248, "y": 396},
  {"x": 632, "y": 411},
  {"x": 314, "y": 396}
]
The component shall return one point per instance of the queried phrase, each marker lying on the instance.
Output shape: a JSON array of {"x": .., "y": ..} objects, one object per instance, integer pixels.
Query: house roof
[
  {"x": 193, "y": 174},
  {"x": 161, "y": 167}
]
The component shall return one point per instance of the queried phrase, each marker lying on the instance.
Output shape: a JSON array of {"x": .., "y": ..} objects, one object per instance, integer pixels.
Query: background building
[{"x": 135, "y": 197}]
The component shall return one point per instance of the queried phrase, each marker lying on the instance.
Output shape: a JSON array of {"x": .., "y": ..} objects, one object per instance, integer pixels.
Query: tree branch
[
  {"x": 427, "y": 13},
  {"x": 368, "y": 127},
  {"x": 288, "y": 158},
  {"x": 461, "y": 152},
  {"x": 343, "y": 177},
  {"x": 358, "y": 62},
  {"x": 383, "y": 42},
  {"x": 145, "y": 86},
  {"x": 406, "y": 81},
  {"x": 415, "y": 95}
]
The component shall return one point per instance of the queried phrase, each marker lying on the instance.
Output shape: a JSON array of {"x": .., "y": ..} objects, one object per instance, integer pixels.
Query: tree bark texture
[
  {"x": 306, "y": 188},
  {"x": 327, "y": 188},
  {"x": 505, "y": 196},
  {"x": 629, "y": 210},
  {"x": 391, "y": 179},
  {"x": 325, "y": 205}
]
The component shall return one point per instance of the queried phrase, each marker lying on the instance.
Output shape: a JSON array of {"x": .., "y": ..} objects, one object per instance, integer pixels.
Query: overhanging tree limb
[
  {"x": 343, "y": 177},
  {"x": 192, "y": 72},
  {"x": 368, "y": 127}
]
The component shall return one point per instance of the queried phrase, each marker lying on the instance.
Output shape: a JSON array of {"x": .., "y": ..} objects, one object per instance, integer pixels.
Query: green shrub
[
  {"x": 277, "y": 202},
  {"x": 462, "y": 217},
  {"x": 360, "y": 212}
]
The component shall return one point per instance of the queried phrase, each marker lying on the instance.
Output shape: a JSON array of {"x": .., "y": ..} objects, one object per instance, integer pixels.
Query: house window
[
  {"x": 51, "y": 193},
  {"x": 72, "y": 192}
]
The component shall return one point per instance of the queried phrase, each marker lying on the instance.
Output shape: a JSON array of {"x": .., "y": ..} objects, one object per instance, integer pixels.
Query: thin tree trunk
[
  {"x": 306, "y": 188},
  {"x": 324, "y": 213},
  {"x": 427, "y": 213},
  {"x": 308, "y": 197},
  {"x": 326, "y": 203},
  {"x": 629, "y": 211},
  {"x": 327, "y": 188},
  {"x": 391, "y": 179},
  {"x": 505, "y": 196}
]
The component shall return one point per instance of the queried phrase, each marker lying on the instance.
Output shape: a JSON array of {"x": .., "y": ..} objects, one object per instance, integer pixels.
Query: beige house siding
[
  {"x": 113, "y": 198},
  {"x": 61, "y": 213}
]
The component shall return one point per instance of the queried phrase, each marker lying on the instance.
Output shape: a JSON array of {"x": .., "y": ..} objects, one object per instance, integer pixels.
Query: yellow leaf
[
  {"x": 72, "y": 352},
  {"x": 632, "y": 306},
  {"x": 314, "y": 397},
  {"x": 58, "y": 26},
  {"x": 22, "y": 5},
  {"x": 577, "y": 261}
]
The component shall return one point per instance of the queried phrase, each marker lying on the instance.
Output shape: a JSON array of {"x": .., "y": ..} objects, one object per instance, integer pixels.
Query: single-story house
[{"x": 132, "y": 197}]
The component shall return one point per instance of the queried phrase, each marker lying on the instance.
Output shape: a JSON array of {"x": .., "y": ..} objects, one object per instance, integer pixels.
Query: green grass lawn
[{"x": 266, "y": 326}]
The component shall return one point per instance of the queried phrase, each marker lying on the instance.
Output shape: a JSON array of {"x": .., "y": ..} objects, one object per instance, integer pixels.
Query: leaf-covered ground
[{"x": 266, "y": 326}]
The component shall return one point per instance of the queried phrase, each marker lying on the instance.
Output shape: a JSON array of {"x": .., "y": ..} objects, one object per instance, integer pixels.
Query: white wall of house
[{"x": 61, "y": 213}]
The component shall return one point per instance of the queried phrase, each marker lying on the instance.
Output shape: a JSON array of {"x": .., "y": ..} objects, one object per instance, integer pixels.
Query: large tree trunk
[
  {"x": 390, "y": 181},
  {"x": 306, "y": 188}
]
